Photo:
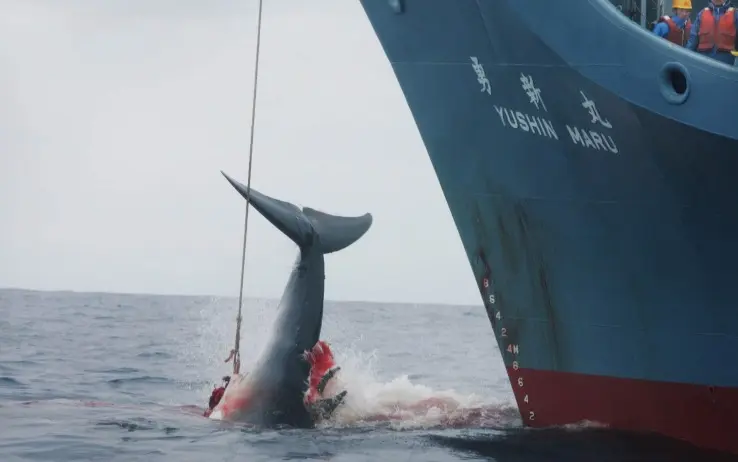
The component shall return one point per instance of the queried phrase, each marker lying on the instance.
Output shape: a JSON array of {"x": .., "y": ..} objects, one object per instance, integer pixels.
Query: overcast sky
[{"x": 116, "y": 117}]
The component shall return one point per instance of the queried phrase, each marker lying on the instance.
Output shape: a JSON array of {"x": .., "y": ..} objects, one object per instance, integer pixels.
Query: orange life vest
[
  {"x": 677, "y": 35},
  {"x": 720, "y": 33}
]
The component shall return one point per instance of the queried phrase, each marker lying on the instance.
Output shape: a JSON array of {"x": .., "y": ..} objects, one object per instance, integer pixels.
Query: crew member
[
  {"x": 676, "y": 28},
  {"x": 217, "y": 394},
  {"x": 713, "y": 32}
]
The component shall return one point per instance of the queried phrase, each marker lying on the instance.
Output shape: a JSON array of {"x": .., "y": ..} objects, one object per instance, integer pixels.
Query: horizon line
[{"x": 151, "y": 294}]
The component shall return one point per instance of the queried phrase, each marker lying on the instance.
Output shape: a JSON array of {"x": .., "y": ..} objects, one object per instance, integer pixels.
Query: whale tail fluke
[{"x": 303, "y": 226}]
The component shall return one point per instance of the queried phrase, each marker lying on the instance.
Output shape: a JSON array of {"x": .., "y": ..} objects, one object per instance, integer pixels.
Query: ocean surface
[{"x": 88, "y": 377}]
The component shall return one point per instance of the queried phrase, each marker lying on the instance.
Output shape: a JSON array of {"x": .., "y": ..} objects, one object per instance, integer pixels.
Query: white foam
[{"x": 405, "y": 404}]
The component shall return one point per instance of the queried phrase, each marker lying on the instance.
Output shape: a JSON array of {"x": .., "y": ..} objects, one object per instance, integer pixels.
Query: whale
[{"x": 272, "y": 393}]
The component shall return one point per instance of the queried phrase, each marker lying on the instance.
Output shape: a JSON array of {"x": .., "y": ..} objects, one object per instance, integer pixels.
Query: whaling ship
[{"x": 591, "y": 169}]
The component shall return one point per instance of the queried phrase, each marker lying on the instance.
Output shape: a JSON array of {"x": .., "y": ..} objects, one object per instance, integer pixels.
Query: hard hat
[{"x": 683, "y": 4}]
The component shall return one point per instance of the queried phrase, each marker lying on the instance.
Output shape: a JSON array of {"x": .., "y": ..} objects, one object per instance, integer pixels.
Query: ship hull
[
  {"x": 702, "y": 415},
  {"x": 590, "y": 169}
]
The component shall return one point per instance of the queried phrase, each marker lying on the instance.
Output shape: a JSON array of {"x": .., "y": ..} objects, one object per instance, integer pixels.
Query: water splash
[
  {"x": 406, "y": 405},
  {"x": 398, "y": 402}
]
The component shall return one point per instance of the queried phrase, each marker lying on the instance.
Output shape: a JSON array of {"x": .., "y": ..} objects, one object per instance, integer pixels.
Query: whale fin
[
  {"x": 301, "y": 226},
  {"x": 324, "y": 409},
  {"x": 336, "y": 232}
]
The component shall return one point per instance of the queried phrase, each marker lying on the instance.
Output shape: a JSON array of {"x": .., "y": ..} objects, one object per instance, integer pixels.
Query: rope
[{"x": 237, "y": 346}]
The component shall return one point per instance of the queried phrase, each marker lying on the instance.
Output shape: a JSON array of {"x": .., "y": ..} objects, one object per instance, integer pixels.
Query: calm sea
[{"x": 87, "y": 376}]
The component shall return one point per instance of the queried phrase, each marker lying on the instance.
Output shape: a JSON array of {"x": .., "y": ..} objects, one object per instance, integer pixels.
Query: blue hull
[{"x": 591, "y": 170}]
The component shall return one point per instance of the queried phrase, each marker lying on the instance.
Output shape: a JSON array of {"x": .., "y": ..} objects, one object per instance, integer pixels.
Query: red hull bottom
[{"x": 699, "y": 414}]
